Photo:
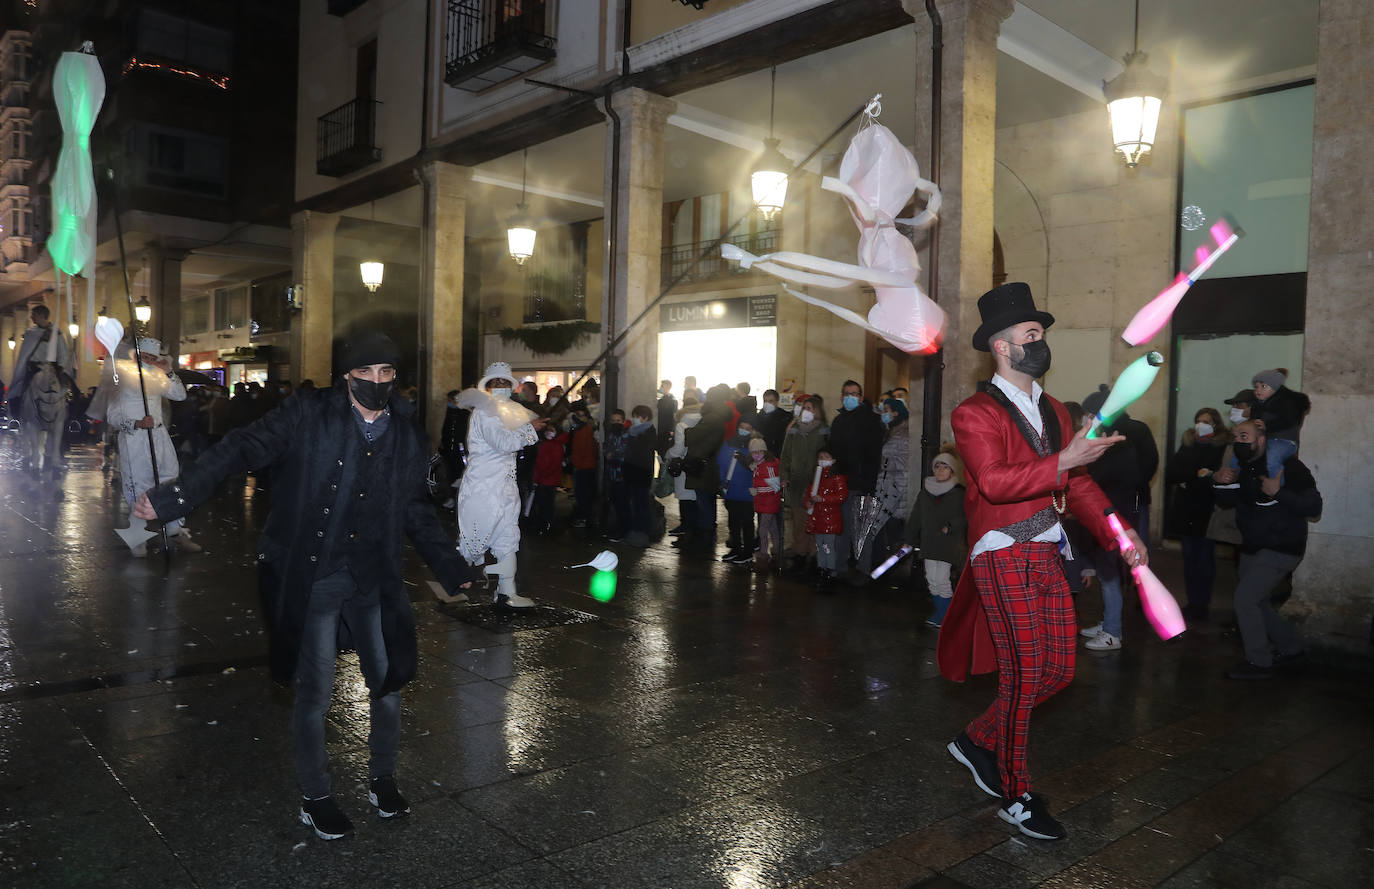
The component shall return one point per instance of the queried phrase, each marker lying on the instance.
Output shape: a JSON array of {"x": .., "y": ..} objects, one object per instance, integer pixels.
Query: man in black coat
[
  {"x": 1272, "y": 516},
  {"x": 856, "y": 442},
  {"x": 667, "y": 416},
  {"x": 349, "y": 468},
  {"x": 773, "y": 422}
]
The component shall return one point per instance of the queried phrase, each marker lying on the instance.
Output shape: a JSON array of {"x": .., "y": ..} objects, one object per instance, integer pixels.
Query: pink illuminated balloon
[
  {"x": 1155, "y": 314},
  {"x": 1160, "y": 605}
]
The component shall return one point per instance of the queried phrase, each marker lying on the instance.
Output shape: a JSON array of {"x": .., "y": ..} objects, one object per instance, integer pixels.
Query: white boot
[{"x": 506, "y": 595}]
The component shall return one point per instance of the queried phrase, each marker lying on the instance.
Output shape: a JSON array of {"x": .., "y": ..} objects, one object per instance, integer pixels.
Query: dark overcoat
[{"x": 313, "y": 445}]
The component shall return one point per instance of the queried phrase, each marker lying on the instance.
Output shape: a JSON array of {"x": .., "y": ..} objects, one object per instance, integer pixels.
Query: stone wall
[
  {"x": 1094, "y": 239},
  {"x": 1334, "y": 587}
]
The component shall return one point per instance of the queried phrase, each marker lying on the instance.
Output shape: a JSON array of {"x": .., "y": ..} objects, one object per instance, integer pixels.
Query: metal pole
[
  {"x": 138, "y": 355},
  {"x": 935, "y": 362}
]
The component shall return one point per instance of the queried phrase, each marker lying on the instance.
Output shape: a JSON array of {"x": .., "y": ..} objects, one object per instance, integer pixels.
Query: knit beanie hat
[
  {"x": 953, "y": 462},
  {"x": 1271, "y": 378},
  {"x": 368, "y": 348},
  {"x": 757, "y": 444}
]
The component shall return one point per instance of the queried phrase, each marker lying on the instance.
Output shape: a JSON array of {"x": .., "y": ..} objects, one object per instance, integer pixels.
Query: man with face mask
[
  {"x": 856, "y": 442},
  {"x": 1012, "y": 610},
  {"x": 349, "y": 467},
  {"x": 1272, "y": 518},
  {"x": 773, "y": 421}
]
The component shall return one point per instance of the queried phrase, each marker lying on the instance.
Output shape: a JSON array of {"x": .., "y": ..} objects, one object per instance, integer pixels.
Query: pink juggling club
[
  {"x": 1150, "y": 320},
  {"x": 1160, "y": 606}
]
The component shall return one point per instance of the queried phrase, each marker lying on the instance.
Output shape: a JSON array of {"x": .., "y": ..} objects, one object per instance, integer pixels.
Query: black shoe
[
  {"x": 981, "y": 763},
  {"x": 677, "y": 531},
  {"x": 326, "y": 817},
  {"x": 1027, "y": 812},
  {"x": 1248, "y": 671},
  {"x": 387, "y": 798},
  {"x": 730, "y": 555}
]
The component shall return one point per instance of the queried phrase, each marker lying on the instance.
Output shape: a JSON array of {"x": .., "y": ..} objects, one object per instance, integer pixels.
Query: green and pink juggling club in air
[
  {"x": 1133, "y": 383},
  {"x": 1153, "y": 317},
  {"x": 1160, "y": 605}
]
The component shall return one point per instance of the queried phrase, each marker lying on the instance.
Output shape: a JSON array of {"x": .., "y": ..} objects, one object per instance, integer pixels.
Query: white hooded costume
[
  {"x": 125, "y": 407},
  {"x": 489, "y": 500}
]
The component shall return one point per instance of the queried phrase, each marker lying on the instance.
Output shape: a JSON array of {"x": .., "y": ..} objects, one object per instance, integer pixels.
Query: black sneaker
[
  {"x": 326, "y": 817},
  {"x": 1248, "y": 671},
  {"x": 387, "y": 799},
  {"x": 981, "y": 763},
  {"x": 1027, "y": 812}
]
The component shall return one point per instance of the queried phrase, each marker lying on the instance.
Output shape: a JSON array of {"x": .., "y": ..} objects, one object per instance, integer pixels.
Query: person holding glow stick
[{"x": 1012, "y": 610}]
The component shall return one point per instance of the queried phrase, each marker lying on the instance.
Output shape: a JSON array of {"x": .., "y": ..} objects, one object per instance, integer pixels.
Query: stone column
[
  {"x": 312, "y": 265},
  {"x": 638, "y": 255},
  {"x": 968, "y": 139},
  {"x": 441, "y": 315},
  {"x": 1333, "y": 585},
  {"x": 9, "y": 327},
  {"x": 164, "y": 294}
]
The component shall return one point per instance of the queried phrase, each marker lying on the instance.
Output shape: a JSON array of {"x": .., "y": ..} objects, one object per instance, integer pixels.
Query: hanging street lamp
[
  {"x": 520, "y": 234},
  {"x": 143, "y": 312},
  {"x": 371, "y": 271},
  {"x": 1134, "y": 98},
  {"x": 768, "y": 181}
]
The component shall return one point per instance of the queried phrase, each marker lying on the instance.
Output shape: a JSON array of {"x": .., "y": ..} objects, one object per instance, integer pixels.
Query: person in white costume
[
  {"x": 125, "y": 412},
  {"x": 489, "y": 501}
]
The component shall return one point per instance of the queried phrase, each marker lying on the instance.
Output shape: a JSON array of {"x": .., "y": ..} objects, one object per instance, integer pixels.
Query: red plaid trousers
[{"x": 1031, "y": 617}]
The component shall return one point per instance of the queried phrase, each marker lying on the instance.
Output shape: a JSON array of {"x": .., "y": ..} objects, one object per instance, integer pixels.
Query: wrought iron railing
[
  {"x": 345, "y": 138},
  {"x": 680, "y": 258},
  {"x": 490, "y": 41}
]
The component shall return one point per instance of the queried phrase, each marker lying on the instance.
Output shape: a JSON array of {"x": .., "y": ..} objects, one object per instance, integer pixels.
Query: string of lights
[{"x": 219, "y": 80}]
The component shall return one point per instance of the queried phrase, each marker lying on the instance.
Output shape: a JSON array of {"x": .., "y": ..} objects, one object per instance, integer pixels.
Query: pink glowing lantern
[
  {"x": 1160, "y": 606},
  {"x": 1152, "y": 318}
]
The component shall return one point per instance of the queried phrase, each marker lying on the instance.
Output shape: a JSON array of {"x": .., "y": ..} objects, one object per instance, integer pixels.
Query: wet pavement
[{"x": 705, "y": 728}]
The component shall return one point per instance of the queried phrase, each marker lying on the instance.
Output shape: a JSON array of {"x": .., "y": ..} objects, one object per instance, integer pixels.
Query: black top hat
[{"x": 1003, "y": 306}]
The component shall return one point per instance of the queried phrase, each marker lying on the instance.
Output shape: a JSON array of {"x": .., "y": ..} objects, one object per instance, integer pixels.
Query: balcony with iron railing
[
  {"x": 488, "y": 42},
  {"x": 680, "y": 259},
  {"x": 345, "y": 138}
]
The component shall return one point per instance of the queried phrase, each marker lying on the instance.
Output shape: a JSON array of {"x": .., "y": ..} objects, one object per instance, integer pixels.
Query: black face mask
[
  {"x": 1034, "y": 360},
  {"x": 373, "y": 396},
  {"x": 1245, "y": 451}
]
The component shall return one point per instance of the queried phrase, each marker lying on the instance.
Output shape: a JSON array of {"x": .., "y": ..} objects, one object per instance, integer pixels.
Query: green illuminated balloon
[
  {"x": 603, "y": 586},
  {"x": 78, "y": 91}
]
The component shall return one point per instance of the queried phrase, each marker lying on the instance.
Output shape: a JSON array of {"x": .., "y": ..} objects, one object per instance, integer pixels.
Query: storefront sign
[{"x": 715, "y": 314}]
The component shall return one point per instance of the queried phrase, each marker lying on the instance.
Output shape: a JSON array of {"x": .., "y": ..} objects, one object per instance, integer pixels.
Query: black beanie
[
  {"x": 1093, "y": 403},
  {"x": 368, "y": 348}
]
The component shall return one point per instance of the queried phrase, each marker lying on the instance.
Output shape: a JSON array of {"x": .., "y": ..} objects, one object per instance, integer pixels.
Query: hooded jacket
[
  {"x": 827, "y": 507},
  {"x": 1282, "y": 413},
  {"x": 798, "y": 459}
]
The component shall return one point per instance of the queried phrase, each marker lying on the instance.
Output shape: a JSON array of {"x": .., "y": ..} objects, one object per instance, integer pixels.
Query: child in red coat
[
  {"x": 824, "y": 502},
  {"x": 767, "y": 491},
  {"x": 548, "y": 475}
]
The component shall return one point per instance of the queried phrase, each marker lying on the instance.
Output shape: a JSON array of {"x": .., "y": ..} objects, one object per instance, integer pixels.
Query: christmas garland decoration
[{"x": 550, "y": 339}]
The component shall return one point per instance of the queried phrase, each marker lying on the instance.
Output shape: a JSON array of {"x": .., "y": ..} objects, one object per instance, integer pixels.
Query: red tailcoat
[{"x": 1007, "y": 482}]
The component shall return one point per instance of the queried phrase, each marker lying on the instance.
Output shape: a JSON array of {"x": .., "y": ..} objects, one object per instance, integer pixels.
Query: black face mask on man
[
  {"x": 1245, "y": 451},
  {"x": 370, "y": 394},
  {"x": 1034, "y": 360}
]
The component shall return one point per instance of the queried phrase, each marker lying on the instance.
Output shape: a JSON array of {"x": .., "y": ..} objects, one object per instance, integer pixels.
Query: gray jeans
[
  {"x": 1259, "y": 623},
  {"x": 315, "y": 684}
]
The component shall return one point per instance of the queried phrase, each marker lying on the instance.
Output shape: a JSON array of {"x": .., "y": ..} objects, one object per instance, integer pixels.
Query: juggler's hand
[
  {"x": 143, "y": 508},
  {"x": 1136, "y": 556},
  {"x": 1082, "y": 450}
]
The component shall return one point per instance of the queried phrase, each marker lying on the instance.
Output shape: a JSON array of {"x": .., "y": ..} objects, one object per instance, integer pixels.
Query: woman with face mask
[
  {"x": 1188, "y": 480},
  {"x": 891, "y": 488},
  {"x": 805, "y": 437},
  {"x": 489, "y": 501}
]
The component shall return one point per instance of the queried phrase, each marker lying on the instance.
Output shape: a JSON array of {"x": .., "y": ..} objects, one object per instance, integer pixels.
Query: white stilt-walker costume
[{"x": 489, "y": 499}]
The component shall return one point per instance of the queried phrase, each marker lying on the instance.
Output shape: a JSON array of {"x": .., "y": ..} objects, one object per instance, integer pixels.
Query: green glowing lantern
[
  {"x": 79, "y": 91},
  {"x": 603, "y": 586}
]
